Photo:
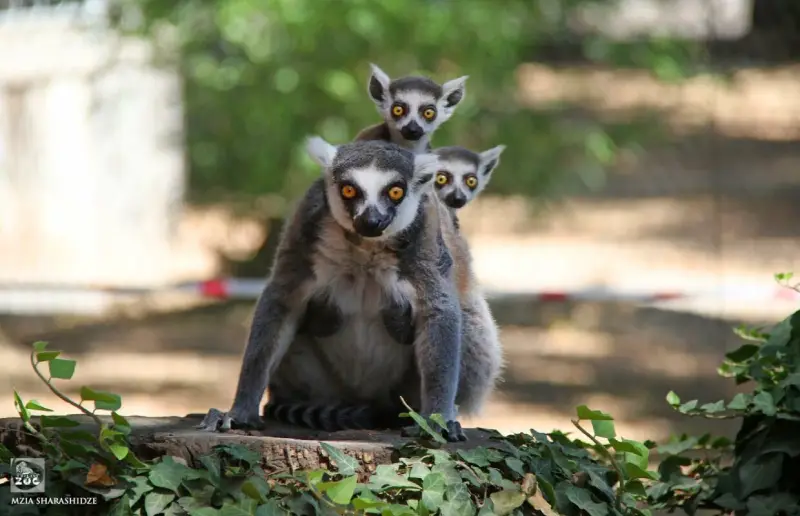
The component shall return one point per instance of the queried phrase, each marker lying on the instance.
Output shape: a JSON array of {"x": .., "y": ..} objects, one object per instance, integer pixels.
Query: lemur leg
[
  {"x": 274, "y": 325},
  {"x": 481, "y": 356}
]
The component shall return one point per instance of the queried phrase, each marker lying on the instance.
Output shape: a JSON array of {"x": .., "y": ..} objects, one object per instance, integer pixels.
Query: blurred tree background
[{"x": 260, "y": 75}]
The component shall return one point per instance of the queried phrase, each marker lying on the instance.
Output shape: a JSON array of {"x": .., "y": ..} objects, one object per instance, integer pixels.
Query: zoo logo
[{"x": 27, "y": 475}]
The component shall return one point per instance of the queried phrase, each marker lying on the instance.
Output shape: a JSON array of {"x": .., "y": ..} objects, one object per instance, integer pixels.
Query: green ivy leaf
[
  {"x": 439, "y": 420},
  {"x": 458, "y": 501},
  {"x": 506, "y": 501},
  {"x": 340, "y": 492},
  {"x": 604, "y": 429},
  {"x": 39, "y": 346},
  {"x": 764, "y": 403},
  {"x": 61, "y": 368},
  {"x": 35, "y": 405},
  {"x": 155, "y": 502},
  {"x": 585, "y": 413},
  {"x": 742, "y": 353},
  {"x": 273, "y": 508},
  {"x": 57, "y": 422},
  {"x": 256, "y": 488},
  {"x": 673, "y": 399},
  {"x": 636, "y": 488},
  {"x": 772, "y": 504},
  {"x": 713, "y": 408},
  {"x": 140, "y": 487},
  {"x": 582, "y": 499},
  {"x": 433, "y": 488},
  {"x": 89, "y": 394},
  {"x": 419, "y": 470},
  {"x": 516, "y": 465},
  {"x": 119, "y": 450},
  {"x": 628, "y": 446},
  {"x": 688, "y": 406},
  {"x": 740, "y": 402},
  {"x": 238, "y": 452},
  {"x": 422, "y": 423},
  {"x": 122, "y": 507},
  {"x": 241, "y": 507},
  {"x": 385, "y": 477},
  {"x": 70, "y": 465},
  {"x": 476, "y": 456},
  {"x": 205, "y": 511},
  {"x": 345, "y": 464},
  {"x": 761, "y": 472},
  {"x": 168, "y": 474},
  {"x": 791, "y": 380},
  {"x": 111, "y": 402},
  {"x": 633, "y": 471},
  {"x": 20, "y": 406},
  {"x": 46, "y": 356},
  {"x": 678, "y": 445},
  {"x": 212, "y": 465},
  {"x": 729, "y": 501}
]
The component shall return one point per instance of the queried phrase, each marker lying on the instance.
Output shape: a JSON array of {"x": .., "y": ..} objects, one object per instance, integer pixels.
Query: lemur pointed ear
[
  {"x": 490, "y": 159},
  {"x": 453, "y": 91},
  {"x": 320, "y": 151},
  {"x": 378, "y": 84},
  {"x": 425, "y": 166}
]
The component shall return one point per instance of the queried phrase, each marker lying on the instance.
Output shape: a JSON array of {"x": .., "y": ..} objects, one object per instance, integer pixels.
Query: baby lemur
[
  {"x": 412, "y": 107},
  {"x": 371, "y": 297},
  {"x": 463, "y": 174}
]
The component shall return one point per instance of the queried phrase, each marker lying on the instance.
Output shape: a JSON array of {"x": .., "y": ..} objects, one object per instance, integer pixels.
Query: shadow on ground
[{"x": 616, "y": 357}]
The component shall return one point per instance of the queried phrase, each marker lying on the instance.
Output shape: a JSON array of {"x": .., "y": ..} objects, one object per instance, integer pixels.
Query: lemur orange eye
[
  {"x": 398, "y": 110},
  {"x": 429, "y": 114},
  {"x": 396, "y": 193},
  {"x": 441, "y": 179},
  {"x": 348, "y": 191},
  {"x": 471, "y": 181}
]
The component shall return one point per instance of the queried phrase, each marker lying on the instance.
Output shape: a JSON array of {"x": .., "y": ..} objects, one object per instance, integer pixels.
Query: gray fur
[
  {"x": 351, "y": 369},
  {"x": 415, "y": 94},
  {"x": 457, "y": 166}
]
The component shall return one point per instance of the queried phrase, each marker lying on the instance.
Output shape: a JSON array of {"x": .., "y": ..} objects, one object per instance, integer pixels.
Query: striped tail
[{"x": 333, "y": 417}]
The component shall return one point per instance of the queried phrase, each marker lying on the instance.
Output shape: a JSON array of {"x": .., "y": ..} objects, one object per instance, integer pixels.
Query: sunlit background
[{"x": 147, "y": 146}]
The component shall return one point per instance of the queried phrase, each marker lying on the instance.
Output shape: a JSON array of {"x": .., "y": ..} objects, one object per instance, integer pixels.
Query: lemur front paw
[
  {"x": 454, "y": 432},
  {"x": 218, "y": 421}
]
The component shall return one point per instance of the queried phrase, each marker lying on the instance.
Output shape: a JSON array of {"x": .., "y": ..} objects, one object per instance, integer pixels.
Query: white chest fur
[{"x": 360, "y": 280}]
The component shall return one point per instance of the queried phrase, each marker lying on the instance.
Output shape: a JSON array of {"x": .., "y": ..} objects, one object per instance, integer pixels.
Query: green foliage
[
  {"x": 261, "y": 75},
  {"x": 526, "y": 473},
  {"x": 763, "y": 477}
]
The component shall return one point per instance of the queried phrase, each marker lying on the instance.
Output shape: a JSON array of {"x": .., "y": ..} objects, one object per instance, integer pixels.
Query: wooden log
[{"x": 282, "y": 447}]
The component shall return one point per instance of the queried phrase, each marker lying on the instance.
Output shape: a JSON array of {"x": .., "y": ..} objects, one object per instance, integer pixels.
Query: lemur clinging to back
[
  {"x": 463, "y": 174},
  {"x": 412, "y": 107},
  {"x": 371, "y": 297}
]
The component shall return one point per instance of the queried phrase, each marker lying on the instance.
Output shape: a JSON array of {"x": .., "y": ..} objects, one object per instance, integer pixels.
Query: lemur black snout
[
  {"x": 371, "y": 223},
  {"x": 456, "y": 200},
  {"x": 412, "y": 131}
]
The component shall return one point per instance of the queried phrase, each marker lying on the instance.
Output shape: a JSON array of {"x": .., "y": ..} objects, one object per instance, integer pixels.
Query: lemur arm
[
  {"x": 438, "y": 354},
  {"x": 275, "y": 321},
  {"x": 438, "y": 345}
]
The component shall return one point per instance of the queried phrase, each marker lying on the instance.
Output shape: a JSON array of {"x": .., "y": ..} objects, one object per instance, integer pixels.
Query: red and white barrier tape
[{"x": 250, "y": 288}]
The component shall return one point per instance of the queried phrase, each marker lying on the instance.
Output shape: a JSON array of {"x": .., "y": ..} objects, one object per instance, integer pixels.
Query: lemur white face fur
[
  {"x": 373, "y": 188},
  {"x": 463, "y": 174},
  {"x": 413, "y": 107}
]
